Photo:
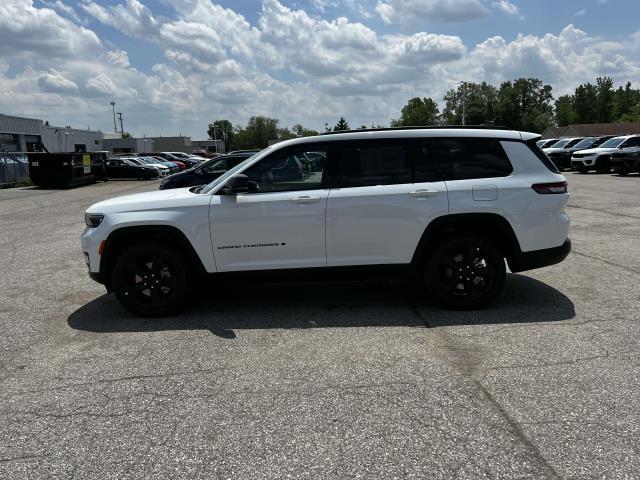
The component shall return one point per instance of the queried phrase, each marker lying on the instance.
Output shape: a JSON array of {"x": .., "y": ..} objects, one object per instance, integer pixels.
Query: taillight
[{"x": 546, "y": 188}]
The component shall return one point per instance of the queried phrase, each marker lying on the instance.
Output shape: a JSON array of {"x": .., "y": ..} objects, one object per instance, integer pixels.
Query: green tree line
[{"x": 521, "y": 104}]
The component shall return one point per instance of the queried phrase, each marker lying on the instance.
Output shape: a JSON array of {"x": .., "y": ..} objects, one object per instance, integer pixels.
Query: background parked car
[
  {"x": 562, "y": 157},
  {"x": 626, "y": 161},
  {"x": 558, "y": 154},
  {"x": 546, "y": 143},
  {"x": 190, "y": 162},
  {"x": 203, "y": 174},
  {"x": 599, "y": 159},
  {"x": 181, "y": 166},
  {"x": 163, "y": 170},
  {"x": 123, "y": 168}
]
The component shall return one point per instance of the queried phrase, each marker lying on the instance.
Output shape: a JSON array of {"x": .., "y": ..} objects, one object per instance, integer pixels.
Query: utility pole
[
  {"x": 113, "y": 107},
  {"x": 121, "y": 127}
]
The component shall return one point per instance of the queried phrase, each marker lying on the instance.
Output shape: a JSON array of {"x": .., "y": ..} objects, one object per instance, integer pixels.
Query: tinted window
[
  {"x": 465, "y": 158},
  {"x": 426, "y": 167},
  {"x": 632, "y": 142},
  {"x": 359, "y": 164},
  {"x": 215, "y": 166},
  {"x": 290, "y": 169}
]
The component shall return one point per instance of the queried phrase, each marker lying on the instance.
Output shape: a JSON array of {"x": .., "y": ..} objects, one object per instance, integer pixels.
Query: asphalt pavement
[{"x": 360, "y": 379}]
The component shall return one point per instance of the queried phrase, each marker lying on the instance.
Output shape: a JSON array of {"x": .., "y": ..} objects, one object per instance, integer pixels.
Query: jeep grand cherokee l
[{"x": 451, "y": 204}]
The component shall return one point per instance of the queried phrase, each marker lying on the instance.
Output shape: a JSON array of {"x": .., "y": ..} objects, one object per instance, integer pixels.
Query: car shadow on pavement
[{"x": 222, "y": 309}]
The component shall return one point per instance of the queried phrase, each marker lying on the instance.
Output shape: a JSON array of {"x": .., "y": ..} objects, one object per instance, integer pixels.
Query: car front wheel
[
  {"x": 465, "y": 273},
  {"x": 151, "y": 280}
]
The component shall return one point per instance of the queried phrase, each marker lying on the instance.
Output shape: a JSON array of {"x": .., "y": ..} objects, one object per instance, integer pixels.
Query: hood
[
  {"x": 554, "y": 150},
  {"x": 155, "y": 200},
  {"x": 597, "y": 150}
]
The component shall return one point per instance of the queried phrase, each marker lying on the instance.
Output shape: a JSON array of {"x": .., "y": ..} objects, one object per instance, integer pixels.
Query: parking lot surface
[{"x": 320, "y": 380}]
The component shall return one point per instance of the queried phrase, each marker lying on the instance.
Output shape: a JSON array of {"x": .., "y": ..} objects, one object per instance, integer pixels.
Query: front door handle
[
  {"x": 424, "y": 193},
  {"x": 305, "y": 199}
]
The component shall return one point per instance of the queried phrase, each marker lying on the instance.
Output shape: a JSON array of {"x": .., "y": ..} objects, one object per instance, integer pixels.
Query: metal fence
[{"x": 14, "y": 168}]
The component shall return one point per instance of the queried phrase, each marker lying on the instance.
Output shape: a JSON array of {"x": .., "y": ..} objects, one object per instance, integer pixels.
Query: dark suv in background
[{"x": 203, "y": 173}]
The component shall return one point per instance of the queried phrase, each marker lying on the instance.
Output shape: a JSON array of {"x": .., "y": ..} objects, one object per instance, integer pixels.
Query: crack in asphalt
[{"x": 608, "y": 262}]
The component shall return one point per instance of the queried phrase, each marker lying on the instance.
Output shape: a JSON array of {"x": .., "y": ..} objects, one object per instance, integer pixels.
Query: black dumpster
[{"x": 64, "y": 170}]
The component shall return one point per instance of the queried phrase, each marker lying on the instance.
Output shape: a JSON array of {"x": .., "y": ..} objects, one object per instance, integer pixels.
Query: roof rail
[{"x": 430, "y": 127}]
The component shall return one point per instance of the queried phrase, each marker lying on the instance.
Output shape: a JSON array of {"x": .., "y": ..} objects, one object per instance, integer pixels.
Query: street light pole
[
  {"x": 113, "y": 107},
  {"x": 121, "y": 127}
]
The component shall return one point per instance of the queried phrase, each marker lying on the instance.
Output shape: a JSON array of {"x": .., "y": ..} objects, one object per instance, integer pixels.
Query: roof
[{"x": 593, "y": 130}]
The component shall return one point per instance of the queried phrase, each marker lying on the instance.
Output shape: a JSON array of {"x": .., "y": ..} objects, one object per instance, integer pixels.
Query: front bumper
[{"x": 523, "y": 261}]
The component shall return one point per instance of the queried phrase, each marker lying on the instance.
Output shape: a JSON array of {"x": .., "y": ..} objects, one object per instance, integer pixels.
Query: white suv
[{"x": 451, "y": 204}]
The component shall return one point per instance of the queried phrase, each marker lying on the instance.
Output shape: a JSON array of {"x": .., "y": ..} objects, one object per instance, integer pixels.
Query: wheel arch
[
  {"x": 121, "y": 238},
  {"x": 488, "y": 225}
]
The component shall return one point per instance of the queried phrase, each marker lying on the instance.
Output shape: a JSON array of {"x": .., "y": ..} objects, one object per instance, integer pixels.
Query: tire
[
  {"x": 623, "y": 172},
  {"x": 469, "y": 256},
  {"x": 582, "y": 169},
  {"x": 144, "y": 263}
]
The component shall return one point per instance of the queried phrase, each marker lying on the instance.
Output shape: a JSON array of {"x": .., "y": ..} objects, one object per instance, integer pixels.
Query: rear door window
[
  {"x": 362, "y": 164},
  {"x": 468, "y": 158}
]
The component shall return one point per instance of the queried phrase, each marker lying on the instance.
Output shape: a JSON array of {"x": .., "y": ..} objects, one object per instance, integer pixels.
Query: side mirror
[{"x": 237, "y": 184}]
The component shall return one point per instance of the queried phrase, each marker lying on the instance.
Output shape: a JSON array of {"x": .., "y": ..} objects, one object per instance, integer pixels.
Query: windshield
[
  {"x": 572, "y": 143},
  {"x": 560, "y": 143},
  {"x": 613, "y": 143},
  {"x": 228, "y": 174},
  {"x": 586, "y": 143}
]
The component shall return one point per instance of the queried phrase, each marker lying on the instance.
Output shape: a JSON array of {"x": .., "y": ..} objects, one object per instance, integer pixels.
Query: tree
[
  {"x": 286, "y": 134},
  {"x": 525, "y": 104},
  {"x": 221, "y": 130},
  {"x": 625, "y": 101},
  {"x": 564, "y": 111},
  {"x": 605, "y": 93},
  {"x": 126, "y": 135},
  {"x": 417, "y": 112},
  {"x": 585, "y": 102},
  {"x": 301, "y": 131},
  {"x": 341, "y": 125},
  {"x": 256, "y": 134},
  {"x": 476, "y": 100}
]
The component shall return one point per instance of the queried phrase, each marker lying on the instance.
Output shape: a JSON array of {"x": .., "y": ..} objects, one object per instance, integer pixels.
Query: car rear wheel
[
  {"x": 465, "y": 273},
  {"x": 151, "y": 280}
]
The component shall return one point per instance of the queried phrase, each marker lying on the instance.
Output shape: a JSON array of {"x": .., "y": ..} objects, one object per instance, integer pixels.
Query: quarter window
[{"x": 467, "y": 158}]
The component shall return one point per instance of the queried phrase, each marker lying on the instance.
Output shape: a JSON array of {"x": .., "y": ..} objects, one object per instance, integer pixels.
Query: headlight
[{"x": 93, "y": 219}]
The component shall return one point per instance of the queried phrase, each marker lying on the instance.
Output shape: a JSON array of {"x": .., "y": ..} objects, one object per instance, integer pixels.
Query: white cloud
[
  {"x": 581, "y": 12},
  {"x": 410, "y": 11},
  {"x": 119, "y": 58},
  {"x": 40, "y": 33},
  {"x": 506, "y": 7},
  {"x": 289, "y": 64},
  {"x": 132, "y": 18},
  {"x": 62, "y": 8},
  {"x": 54, "y": 81}
]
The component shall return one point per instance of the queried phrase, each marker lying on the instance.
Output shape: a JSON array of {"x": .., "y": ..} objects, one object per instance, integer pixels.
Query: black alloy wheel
[
  {"x": 150, "y": 280},
  {"x": 466, "y": 273}
]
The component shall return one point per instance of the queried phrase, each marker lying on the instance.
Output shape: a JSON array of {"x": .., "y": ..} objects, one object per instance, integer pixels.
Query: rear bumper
[{"x": 523, "y": 261}]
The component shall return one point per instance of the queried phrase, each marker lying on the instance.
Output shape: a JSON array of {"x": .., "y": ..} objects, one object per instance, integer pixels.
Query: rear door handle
[
  {"x": 424, "y": 193},
  {"x": 305, "y": 199}
]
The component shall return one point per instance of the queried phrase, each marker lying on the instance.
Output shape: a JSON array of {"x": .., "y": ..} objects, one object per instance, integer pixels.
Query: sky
[{"x": 174, "y": 66}]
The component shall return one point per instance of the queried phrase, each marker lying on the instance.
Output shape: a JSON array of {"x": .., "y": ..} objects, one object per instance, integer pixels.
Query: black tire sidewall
[
  {"x": 434, "y": 286},
  {"x": 178, "y": 267}
]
